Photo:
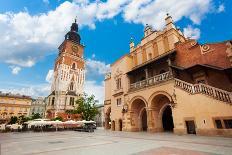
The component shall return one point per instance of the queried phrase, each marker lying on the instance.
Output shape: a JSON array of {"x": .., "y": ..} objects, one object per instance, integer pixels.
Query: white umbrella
[{"x": 70, "y": 122}]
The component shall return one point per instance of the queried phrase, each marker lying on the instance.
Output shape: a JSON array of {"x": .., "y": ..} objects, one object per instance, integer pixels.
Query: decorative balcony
[
  {"x": 216, "y": 93},
  {"x": 151, "y": 81}
]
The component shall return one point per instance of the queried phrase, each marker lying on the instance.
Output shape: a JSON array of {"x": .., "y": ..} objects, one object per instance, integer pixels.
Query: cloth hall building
[{"x": 171, "y": 83}]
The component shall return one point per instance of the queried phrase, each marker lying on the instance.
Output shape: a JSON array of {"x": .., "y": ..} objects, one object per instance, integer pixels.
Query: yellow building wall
[{"x": 14, "y": 107}]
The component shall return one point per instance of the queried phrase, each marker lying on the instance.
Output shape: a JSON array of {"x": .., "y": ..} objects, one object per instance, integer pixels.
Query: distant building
[
  {"x": 14, "y": 105},
  {"x": 99, "y": 119},
  {"x": 69, "y": 75},
  {"x": 38, "y": 106},
  {"x": 171, "y": 83}
]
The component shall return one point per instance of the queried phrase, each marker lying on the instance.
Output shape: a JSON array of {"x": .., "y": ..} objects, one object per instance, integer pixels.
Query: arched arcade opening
[
  {"x": 162, "y": 113},
  {"x": 139, "y": 115}
]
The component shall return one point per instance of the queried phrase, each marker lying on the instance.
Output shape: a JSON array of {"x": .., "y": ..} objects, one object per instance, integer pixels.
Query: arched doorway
[
  {"x": 167, "y": 119},
  {"x": 120, "y": 124},
  {"x": 138, "y": 115},
  {"x": 162, "y": 113},
  {"x": 107, "y": 119},
  {"x": 113, "y": 125},
  {"x": 144, "y": 120}
]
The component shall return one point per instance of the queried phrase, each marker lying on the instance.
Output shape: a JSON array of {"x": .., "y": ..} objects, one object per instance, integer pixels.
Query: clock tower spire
[{"x": 69, "y": 74}]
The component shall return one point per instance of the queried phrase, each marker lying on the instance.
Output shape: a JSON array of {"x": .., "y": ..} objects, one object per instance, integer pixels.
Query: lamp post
[{"x": 124, "y": 108}]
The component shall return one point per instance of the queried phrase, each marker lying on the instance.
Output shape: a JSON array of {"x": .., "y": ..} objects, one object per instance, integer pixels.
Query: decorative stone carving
[
  {"x": 229, "y": 51},
  {"x": 205, "y": 49},
  {"x": 107, "y": 76},
  {"x": 193, "y": 43},
  {"x": 117, "y": 74}
]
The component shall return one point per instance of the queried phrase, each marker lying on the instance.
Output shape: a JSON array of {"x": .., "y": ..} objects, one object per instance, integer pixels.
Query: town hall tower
[{"x": 69, "y": 74}]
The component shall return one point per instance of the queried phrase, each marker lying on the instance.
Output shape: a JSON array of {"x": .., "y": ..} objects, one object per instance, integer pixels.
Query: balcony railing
[
  {"x": 216, "y": 93},
  {"x": 151, "y": 81}
]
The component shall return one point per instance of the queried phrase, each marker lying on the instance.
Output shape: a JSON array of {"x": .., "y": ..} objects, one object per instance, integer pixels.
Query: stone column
[
  {"x": 157, "y": 123},
  {"x": 150, "y": 120},
  {"x": 146, "y": 73},
  {"x": 107, "y": 126}
]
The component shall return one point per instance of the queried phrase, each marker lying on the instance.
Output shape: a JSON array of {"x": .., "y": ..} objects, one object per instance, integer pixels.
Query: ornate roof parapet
[
  {"x": 229, "y": 50},
  {"x": 108, "y": 76}
]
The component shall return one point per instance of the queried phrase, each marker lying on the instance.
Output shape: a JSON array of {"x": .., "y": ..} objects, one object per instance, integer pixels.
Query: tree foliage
[
  {"x": 13, "y": 120},
  {"x": 22, "y": 119},
  {"x": 59, "y": 118},
  {"x": 36, "y": 116},
  {"x": 87, "y": 107}
]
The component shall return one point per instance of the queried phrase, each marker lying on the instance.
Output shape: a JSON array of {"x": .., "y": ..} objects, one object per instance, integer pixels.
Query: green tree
[
  {"x": 36, "y": 116},
  {"x": 13, "y": 120},
  {"x": 59, "y": 118},
  {"x": 87, "y": 107},
  {"x": 23, "y": 119}
]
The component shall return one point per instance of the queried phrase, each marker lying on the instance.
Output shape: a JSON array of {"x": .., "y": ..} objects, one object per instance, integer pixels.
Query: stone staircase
[{"x": 204, "y": 89}]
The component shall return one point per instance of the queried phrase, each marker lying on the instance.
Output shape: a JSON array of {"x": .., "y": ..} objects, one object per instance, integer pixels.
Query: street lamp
[{"x": 125, "y": 108}]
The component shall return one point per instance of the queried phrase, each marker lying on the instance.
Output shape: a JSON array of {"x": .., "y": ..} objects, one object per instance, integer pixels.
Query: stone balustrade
[
  {"x": 216, "y": 93},
  {"x": 151, "y": 81}
]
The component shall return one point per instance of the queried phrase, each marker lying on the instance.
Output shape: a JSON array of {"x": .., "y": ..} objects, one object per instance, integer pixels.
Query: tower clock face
[{"x": 75, "y": 48}]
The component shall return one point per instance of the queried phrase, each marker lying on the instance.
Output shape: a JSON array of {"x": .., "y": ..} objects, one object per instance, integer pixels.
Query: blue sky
[{"x": 31, "y": 31}]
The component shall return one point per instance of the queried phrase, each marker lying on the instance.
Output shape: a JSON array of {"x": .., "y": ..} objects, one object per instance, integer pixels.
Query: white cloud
[
  {"x": 46, "y": 1},
  {"x": 97, "y": 67},
  {"x": 49, "y": 76},
  {"x": 193, "y": 33},
  {"x": 91, "y": 87},
  {"x": 93, "y": 56},
  {"x": 26, "y": 38},
  {"x": 221, "y": 8},
  {"x": 15, "y": 69},
  {"x": 110, "y": 8},
  {"x": 32, "y": 90},
  {"x": 153, "y": 12}
]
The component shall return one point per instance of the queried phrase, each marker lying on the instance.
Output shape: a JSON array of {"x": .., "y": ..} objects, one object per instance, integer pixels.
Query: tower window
[
  {"x": 71, "y": 86},
  {"x": 73, "y": 66},
  {"x": 149, "y": 56},
  {"x": 71, "y": 101},
  {"x": 118, "y": 83},
  {"x": 53, "y": 100},
  {"x": 119, "y": 101}
]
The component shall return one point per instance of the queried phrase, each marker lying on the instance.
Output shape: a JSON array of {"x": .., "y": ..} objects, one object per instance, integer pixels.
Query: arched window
[
  {"x": 71, "y": 86},
  {"x": 53, "y": 100},
  {"x": 73, "y": 66},
  {"x": 149, "y": 56},
  {"x": 71, "y": 101}
]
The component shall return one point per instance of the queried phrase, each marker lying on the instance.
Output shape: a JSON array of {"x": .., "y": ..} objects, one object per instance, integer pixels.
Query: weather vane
[{"x": 76, "y": 19}]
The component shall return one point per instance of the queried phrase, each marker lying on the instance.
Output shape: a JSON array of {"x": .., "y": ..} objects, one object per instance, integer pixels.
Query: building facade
[
  {"x": 99, "y": 119},
  {"x": 38, "y": 106},
  {"x": 69, "y": 74},
  {"x": 171, "y": 83},
  {"x": 13, "y": 105}
]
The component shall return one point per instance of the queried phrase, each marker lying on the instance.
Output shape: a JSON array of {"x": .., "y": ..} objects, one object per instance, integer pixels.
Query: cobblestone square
[{"x": 103, "y": 142}]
